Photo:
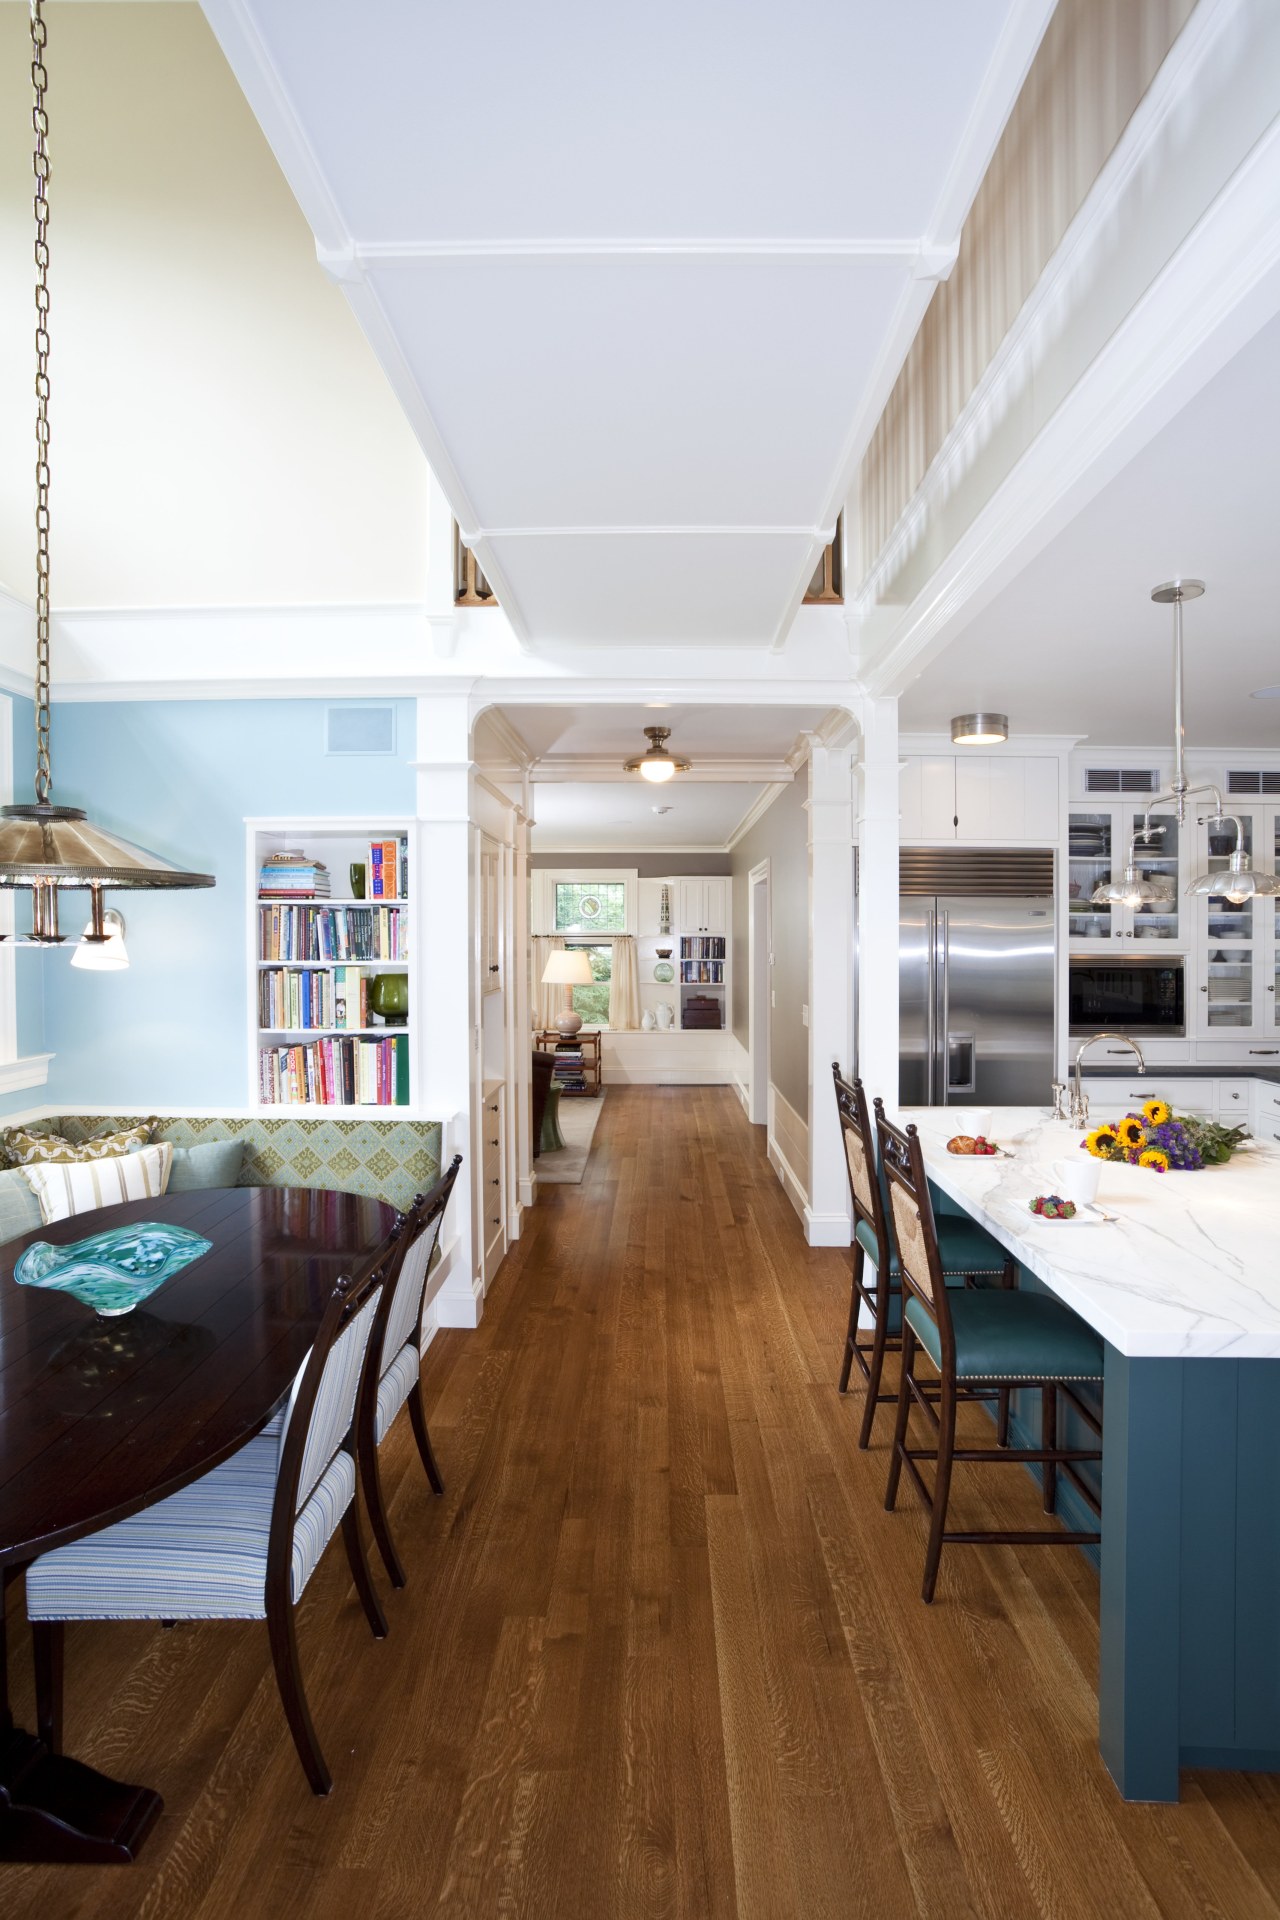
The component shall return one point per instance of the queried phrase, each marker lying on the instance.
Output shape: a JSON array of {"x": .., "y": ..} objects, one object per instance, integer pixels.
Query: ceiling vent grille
[
  {"x": 363, "y": 729},
  {"x": 1119, "y": 780},
  {"x": 1258, "y": 780}
]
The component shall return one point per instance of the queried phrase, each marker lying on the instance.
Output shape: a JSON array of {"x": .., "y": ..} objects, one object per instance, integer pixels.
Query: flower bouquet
[{"x": 1157, "y": 1139}]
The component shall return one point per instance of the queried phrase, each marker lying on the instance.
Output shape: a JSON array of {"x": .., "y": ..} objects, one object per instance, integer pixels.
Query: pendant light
[
  {"x": 47, "y": 848},
  {"x": 1132, "y": 889},
  {"x": 658, "y": 763},
  {"x": 1238, "y": 881}
]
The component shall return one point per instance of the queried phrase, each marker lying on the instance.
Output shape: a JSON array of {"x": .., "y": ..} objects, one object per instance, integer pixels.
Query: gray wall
[
  {"x": 782, "y": 836},
  {"x": 650, "y": 866}
]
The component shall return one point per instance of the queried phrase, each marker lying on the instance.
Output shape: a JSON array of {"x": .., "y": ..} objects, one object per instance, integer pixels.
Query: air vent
[
  {"x": 1258, "y": 781},
  {"x": 1010, "y": 871},
  {"x": 366, "y": 729},
  {"x": 1119, "y": 780}
]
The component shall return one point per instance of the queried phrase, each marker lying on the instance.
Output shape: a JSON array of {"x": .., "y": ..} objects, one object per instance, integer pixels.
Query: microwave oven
[{"x": 1142, "y": 996}]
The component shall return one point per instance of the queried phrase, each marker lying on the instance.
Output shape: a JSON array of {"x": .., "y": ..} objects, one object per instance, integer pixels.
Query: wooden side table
[{"x": 579, "y": 1077}]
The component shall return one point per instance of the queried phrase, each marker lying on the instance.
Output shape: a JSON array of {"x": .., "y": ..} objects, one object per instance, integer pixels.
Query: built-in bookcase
[{"x": 317, "y": 1045}]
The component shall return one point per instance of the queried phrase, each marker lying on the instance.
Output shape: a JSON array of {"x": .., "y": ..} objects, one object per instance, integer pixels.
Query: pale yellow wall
[
  {"x": 222, "y": 434},
  {"x": 1097, "y": 59}
]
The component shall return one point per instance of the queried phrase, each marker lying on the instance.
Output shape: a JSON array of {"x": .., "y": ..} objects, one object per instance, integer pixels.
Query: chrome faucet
[{"x": 1079, "y": 1111}]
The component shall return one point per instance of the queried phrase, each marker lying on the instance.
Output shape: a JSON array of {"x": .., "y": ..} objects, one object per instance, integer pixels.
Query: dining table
[
  {"x": 1179, "y": 1272},
  {"x": 102, "y": 1416}
]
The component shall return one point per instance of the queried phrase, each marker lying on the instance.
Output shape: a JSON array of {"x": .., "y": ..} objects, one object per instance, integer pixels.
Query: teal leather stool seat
[
  {"x": 966, "y": 1248},
  {"x": 1011, "y": 1336}
]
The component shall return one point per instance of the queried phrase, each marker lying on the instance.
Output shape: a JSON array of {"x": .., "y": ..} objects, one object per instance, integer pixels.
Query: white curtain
[
  {"x": 547, "y": 1001},
  {"x": 624, "y": 989}
]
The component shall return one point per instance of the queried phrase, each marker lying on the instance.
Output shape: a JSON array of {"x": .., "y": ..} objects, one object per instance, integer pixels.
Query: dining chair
[
  {"x": 393, "y": 1370},
  {"x": 968, "y": 1253},
  {"x": 978, "y": 1343},
  {"x": 241, "y": 1542}
]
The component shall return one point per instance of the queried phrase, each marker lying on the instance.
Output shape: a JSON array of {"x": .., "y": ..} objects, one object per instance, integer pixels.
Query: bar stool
[
  {"x": 967, "y": 1251},
  {"x": 978, "y": 1343}
]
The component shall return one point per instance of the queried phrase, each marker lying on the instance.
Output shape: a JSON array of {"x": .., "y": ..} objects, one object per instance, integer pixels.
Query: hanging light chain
[{"x": 40, "y": 163}]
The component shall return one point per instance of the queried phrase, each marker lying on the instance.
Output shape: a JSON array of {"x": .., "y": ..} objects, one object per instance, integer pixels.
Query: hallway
[{"x": 661, "y": 1652}]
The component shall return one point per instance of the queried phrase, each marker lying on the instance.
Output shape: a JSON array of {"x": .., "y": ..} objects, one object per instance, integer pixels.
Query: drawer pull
[
  {"x": 497, "y": 1220},
  {"x": 496, "y": 1181},
  {"x": 494, "y": 1143},
  {"x": 1266, "y": 1050},
  {"x": 493, "y": 1106}
]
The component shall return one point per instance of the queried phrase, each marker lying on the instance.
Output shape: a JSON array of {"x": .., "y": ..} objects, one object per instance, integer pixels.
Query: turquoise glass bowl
[{"x": 112, "y": 1271}]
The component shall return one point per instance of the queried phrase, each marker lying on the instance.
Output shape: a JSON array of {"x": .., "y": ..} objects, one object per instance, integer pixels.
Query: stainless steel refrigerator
[{"x": 976, "y": 977}]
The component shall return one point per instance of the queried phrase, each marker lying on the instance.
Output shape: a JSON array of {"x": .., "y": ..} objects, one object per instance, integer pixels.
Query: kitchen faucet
[{"x": 1078, "y": 1115}]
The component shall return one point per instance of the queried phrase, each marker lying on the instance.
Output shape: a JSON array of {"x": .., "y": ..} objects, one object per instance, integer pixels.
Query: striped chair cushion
[
  {"x": 394, "y": 1386},
  {"x": 336, "y": 1401},
  {"x": 81, "y": 1186},
  {"x": 199, "y": 1555},
  {"x": 402, "y": 1321}
]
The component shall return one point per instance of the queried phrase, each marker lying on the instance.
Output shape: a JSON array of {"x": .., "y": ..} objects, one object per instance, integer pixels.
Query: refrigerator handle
[
  {"x": 930, "y": 1001},
  {"x": 944, "y": 994}
]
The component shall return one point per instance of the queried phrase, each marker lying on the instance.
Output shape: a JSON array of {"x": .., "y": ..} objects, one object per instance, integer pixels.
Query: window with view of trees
[
  {"x": 584, "y": 906},
  {"x": 593, "y": 1002}
]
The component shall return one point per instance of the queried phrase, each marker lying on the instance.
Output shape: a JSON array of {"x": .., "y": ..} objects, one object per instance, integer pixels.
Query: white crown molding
[
  {"x": 643, "y": 530},
  {"x": 926, "y": 258},
  {"x": 758, "y": 808},
  {"x": 515, "y": 748}
]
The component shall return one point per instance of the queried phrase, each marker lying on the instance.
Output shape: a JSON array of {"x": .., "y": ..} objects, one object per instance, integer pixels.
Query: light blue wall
[
  {"x": 30, "y": 966},
  {"x": 180, "y": 777}
]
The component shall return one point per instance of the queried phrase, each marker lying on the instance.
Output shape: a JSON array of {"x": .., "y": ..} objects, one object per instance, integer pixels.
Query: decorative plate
[
  {"x": 664, "y": 972},
  {"x": 112, "y": 1271},
  {"x": 589, "y": 906}
]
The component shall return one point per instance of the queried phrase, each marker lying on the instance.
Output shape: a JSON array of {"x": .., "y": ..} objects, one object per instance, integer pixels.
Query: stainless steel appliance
[
  {"x": 1140, "y": 995},
  {"x": 976, "y": 974}
]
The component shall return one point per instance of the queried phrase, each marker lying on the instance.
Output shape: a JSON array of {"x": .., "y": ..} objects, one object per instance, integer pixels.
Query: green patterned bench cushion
[{"x": 388, "y": 1159}]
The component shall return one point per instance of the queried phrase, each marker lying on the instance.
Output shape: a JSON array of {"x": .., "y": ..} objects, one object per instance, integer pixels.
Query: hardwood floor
[{"x": 661, "y": 1651}]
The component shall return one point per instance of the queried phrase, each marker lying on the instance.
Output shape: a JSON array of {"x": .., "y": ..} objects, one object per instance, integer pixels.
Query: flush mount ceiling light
[
  {"x": 1237, "y": 881},
  {"x": 979, "y": 729},
  {"x": 657, "y": 763},
  {"x": 44, "y": 847},
  {"x": 1265, "y": 693}
]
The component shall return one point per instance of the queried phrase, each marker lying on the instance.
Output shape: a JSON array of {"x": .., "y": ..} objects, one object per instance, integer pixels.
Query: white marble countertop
[{"x": 1190, "y": 1269}]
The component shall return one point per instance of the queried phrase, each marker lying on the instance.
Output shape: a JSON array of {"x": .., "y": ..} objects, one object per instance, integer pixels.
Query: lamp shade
[
  {"x": 567, "y": 967},
  {"x": 104, "y": 956}
]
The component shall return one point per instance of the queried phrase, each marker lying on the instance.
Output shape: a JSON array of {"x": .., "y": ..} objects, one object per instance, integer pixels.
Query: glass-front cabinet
[
  {"x": 1239, "y": 940},
  {"x": 1097, "y": 850}
]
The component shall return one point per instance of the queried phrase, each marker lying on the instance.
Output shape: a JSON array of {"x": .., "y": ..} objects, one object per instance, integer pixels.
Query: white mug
[
  {"x": 977, "y": 1121},
  {"x": 1078, "y": 1178}
]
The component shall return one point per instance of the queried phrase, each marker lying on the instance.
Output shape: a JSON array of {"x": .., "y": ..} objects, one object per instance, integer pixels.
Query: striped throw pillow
[{"x": 80, "y": 1186}]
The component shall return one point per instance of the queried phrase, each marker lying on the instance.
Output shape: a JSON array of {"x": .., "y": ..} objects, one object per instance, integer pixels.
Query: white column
[
  {"x": 445, "y": 1052},
  {"x": 877, "y": 996},
  {"x": 831, "y": 825},
  {"x": 521, "y": 1016}
]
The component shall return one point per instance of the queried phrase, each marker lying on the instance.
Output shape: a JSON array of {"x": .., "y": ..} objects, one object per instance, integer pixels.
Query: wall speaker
[{"x": 365, "y": 729}]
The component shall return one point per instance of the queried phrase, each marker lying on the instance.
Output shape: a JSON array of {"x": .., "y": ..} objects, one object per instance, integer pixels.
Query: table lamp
[{"x": 568, "y": 967}]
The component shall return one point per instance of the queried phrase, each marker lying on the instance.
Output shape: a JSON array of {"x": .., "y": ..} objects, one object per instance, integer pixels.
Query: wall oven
[{"x": 1139, "y": 996}]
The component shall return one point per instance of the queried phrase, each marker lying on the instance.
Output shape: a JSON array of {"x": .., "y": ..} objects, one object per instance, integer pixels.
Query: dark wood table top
[{"x": 99, "y": 1417}]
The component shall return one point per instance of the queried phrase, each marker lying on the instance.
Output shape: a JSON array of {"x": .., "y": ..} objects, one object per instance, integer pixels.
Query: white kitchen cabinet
[
  {"x": 491, "y": 1192},
  {"x": 979, "y": 798},
  {"x": 1239, "y": 956},
  {"x": 1098, "y": 842},
  {"x": 703, "y": 906},
  {"x": 490, "y": 891}
]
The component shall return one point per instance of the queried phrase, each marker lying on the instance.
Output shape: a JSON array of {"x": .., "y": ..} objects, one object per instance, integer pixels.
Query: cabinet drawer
[
  {"x": 1267, "y": 1099},
  {"x": 1187, "y": 1096},
  {"x": 1234, "y": 1095}
]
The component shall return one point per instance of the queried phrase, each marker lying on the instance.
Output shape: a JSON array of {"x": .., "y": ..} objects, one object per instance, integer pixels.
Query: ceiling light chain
[{"x": 40, "y": 168}]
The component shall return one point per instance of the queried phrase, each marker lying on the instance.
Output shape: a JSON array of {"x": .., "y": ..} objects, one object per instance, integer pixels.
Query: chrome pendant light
[
  {"x": 44, "y": 847},
  {"x": 658, "y": 763},
  {"x": 1238, "y": 881}
]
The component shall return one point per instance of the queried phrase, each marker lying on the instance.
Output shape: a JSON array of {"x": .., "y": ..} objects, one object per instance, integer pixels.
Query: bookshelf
[{"x": 331, "y": 1025}]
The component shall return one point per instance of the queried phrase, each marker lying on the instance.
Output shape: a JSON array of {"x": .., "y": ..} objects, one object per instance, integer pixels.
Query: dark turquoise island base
[{"x": 1189, "y": 1614}]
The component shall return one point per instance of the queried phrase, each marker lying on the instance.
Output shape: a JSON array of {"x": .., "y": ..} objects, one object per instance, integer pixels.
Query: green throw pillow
[
  {"x": 214, "y": 1163},
  {"x": 19, "y": 1208}
]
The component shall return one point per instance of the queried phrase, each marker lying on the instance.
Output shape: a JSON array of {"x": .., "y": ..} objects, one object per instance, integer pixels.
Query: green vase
[{"x": 389, "y": 996}]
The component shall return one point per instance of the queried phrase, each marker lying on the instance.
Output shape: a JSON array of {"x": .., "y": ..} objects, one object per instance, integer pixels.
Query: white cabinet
[
  {"x": 1236, "y": 998},
  {"x": 703, "y": 906},
  {"x": 1098, "y": 843},
  {"x": 979, "y": 798},
  {"x": 490, "y": 893},
  {"x": 491, "y": 1195}
]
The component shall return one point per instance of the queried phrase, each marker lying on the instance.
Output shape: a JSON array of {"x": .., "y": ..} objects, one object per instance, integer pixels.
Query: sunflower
[
  {"x": 1131, "y": 1133},
  {"x": 1155, "y": 1158},
  {"x": 1103, "y": 1143},
  {"x": 1156, "y": 1113}
]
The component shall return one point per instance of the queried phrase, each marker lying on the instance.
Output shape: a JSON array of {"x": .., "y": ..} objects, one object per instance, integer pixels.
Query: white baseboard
[
  {"x": 790, "y": 1184},
  {"x": 454, "y": 1297},
  {"x": 743, "y": 1092},
  {"x": 666, "y": 1076},
  {"x": 528, "y": 1190},
  {"x": 826, "y": 1229}
]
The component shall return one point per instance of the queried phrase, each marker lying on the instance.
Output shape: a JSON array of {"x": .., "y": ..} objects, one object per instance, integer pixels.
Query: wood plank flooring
[{"x": 661, "y": 1653}]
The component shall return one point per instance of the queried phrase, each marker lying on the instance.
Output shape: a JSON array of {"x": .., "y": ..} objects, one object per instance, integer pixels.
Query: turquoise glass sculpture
[{"x": 112, "y": 1271}]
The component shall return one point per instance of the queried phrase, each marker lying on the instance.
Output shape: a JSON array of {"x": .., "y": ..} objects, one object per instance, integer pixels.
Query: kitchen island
[{"x": 1184, "y": 1287}]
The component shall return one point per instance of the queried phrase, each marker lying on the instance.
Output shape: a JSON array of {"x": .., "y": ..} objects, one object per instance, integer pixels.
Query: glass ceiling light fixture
[
  {"x": 658, "y": 763},
  {"x": 44, "y": 847},
  {"x": 1238, "y": 881},
  {"x": 979, "y": 729}
]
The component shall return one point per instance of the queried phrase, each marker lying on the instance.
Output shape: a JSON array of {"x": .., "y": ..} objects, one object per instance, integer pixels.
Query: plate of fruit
[
  {"x": 1051, "y": 1209},
  {"x": 972, "y": 1143}
]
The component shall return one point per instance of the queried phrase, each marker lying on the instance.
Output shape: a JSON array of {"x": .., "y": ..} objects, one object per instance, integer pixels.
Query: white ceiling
[
  {"x": 594, "y": 816},
  {"x": 641, "y": 279},
  {"x": 697, "y": 732},
  {"x": 223, "y": 435},
  {"x": 1075, "y": 645}
]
